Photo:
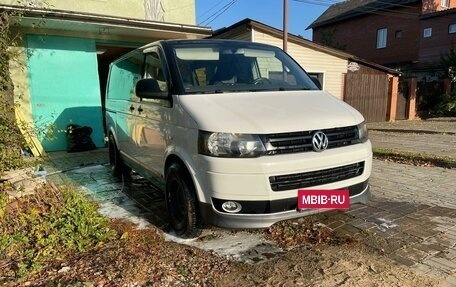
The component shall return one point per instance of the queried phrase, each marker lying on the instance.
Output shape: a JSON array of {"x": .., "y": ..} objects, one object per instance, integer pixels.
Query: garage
[{"x": 67, "y": 60}]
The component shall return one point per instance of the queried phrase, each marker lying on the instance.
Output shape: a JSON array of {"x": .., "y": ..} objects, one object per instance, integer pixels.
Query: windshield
[{"x": 237, "y": 66}]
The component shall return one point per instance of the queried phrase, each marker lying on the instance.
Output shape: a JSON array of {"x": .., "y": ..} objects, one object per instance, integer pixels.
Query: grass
[
  {"x": 55, "y": 237},
  {"x": 47, "y": 225}
]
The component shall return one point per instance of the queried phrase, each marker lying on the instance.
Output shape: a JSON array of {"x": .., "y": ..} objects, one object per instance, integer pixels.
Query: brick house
[{"x": 408, "y": 36}]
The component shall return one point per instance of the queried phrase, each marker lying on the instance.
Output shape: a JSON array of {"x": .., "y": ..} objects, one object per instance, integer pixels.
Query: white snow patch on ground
[
  {"x": 249, "y": 247},
  {"x": 111, "y": 210},
  {"x": 240, "y": 246}
]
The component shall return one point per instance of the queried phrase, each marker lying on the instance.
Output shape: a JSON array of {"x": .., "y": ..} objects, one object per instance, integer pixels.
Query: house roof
[
  {"x": 354, "y": 8},
  {"x": 249, "y": 24},
  {"x": 102, "y": 25},
  {"x": 438, "y": 13}
]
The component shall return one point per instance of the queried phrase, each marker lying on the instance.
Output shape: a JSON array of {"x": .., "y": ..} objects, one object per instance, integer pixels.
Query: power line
[
  {"x": 324, "y": 3},
  {"x": 219, "y": 12},
  {"x": 210, "y": 9}
]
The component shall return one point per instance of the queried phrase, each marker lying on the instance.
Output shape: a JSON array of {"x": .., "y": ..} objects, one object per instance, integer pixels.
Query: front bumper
[
  {"x": 262, "y": 214},
  {"x": 267, "y": 187}
]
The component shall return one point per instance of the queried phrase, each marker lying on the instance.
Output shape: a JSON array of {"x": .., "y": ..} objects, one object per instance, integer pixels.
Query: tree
[
  {"x": 11, "y": 139},
  {"x": 449, "y": 64},
  {"x": 446, "y": 105},
  {"x": 327, "y": 39}
]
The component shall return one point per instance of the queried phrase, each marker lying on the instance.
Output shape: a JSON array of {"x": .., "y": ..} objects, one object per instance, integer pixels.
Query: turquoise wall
[{"x": 64, "y": 87}]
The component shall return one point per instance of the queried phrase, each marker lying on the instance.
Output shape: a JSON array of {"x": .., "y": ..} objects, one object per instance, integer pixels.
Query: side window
[
  {"x": 154, "y": 69},
  {"x": 123, "y": 76}
]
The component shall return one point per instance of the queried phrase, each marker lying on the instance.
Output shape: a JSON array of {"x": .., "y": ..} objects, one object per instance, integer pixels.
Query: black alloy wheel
[{"x": 181, "y": 202}]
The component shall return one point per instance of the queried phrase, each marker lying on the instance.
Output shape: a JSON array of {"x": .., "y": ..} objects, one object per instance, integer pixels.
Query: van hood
[{"x": 269, "y": 112}]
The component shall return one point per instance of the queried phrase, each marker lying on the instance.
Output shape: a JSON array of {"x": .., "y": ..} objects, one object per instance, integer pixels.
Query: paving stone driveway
[{"x": 412, "y": 213}]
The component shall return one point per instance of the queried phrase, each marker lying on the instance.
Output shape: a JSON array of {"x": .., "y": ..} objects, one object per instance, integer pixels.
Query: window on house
[
  {"x": 398, "y": 34},
  {"x": 319, "y": 76},
  {"x": 445, "y": 3},
  {"x": 427, "y": 32},
  {"x": 452, "y": 28},
  {"x": 381, "y": 38}
]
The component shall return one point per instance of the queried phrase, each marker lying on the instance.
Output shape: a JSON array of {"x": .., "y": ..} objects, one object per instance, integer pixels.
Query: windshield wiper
[
  {"x": 294, "y": 89},
  {"x": 273, "y": 89}
]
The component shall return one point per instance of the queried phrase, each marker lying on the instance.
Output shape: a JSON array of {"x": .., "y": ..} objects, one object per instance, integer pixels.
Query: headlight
[
  {"x": 230, "y": 144},
  {"x": 362, "y": 132}
]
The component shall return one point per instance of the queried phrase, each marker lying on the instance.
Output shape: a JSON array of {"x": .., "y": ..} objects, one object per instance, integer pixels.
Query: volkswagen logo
[{"x": 319, "y": 141}]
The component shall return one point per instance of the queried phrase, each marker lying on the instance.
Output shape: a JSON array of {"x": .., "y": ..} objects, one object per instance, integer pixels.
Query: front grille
[
  {"x": 315, "y": 178},
  {"x": 294, "y": 142}
]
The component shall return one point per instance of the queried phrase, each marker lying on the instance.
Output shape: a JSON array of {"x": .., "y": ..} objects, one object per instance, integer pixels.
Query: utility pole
[{"x": 285, "y": 28}]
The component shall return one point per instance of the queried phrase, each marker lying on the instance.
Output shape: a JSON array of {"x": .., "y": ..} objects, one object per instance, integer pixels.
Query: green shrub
[
  {"x": 48, "y": 225},
  {"x": 446, "y": 106},
  {"x": 11, "y": 139}
]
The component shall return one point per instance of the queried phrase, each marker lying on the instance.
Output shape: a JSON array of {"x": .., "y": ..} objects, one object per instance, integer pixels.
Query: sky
[{"x": 223, "y": 13}]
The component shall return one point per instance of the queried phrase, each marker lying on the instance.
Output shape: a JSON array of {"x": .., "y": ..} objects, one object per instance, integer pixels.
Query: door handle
[
  {"x": 140, "y": 109},
  {"x": 132, "y": 108}
]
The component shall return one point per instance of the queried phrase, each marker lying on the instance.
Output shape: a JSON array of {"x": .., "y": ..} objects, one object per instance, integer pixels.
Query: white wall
[{"x": 312, "y": 61}]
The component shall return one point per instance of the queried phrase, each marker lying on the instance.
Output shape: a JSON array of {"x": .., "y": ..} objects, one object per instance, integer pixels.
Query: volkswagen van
[{"x": 231, "y": 131}]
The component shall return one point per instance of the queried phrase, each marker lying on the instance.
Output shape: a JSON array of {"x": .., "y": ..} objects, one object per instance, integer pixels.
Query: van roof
[{"x": 200, "y": 41}]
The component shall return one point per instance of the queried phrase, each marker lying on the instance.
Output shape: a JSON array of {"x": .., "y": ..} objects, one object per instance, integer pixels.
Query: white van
[{"x": 232, "y": 130}]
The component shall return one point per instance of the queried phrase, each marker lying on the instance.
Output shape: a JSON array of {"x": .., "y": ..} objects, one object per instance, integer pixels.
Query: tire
[
  {"x": 181, "y": 202},
  {"x": 118, "y": 167}
]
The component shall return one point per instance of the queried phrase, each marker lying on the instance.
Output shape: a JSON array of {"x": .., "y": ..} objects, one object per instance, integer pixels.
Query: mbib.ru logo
[{"x": 323, "y": 199}]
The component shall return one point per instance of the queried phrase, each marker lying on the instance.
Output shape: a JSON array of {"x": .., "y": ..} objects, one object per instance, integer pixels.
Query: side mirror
[
  {"x": 316, "y": 82},
  {"x": 149, "y": 89}
]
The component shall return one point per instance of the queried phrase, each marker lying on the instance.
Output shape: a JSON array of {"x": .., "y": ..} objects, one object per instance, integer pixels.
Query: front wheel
[
  {"x": 181, "y": 202},
  {"x": 119, "y": 169}
]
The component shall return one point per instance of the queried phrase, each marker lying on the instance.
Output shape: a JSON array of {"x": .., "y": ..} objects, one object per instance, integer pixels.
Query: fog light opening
[{"x": 231, "y": 206}]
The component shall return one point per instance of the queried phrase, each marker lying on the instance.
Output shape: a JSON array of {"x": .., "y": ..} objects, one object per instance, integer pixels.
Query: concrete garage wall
[
  {"x": 182, "y": 11},
  {"x": 64, "y": 88}
]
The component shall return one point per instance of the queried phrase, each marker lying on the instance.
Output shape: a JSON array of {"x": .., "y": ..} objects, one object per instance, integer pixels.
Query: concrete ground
[
  {"x": 412, "y": 213},
  {"x": 435, "y": 137},
  {"x": 416, "y": 203}
]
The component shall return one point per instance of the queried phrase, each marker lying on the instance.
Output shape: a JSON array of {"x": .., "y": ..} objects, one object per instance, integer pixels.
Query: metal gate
[{"x": 368, "y": 93}]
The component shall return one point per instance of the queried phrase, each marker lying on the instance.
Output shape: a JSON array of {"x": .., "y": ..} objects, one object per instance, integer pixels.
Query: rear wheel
[
  {"x": 118, "y": 167},
  {"x": 181, "y": 202}
]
